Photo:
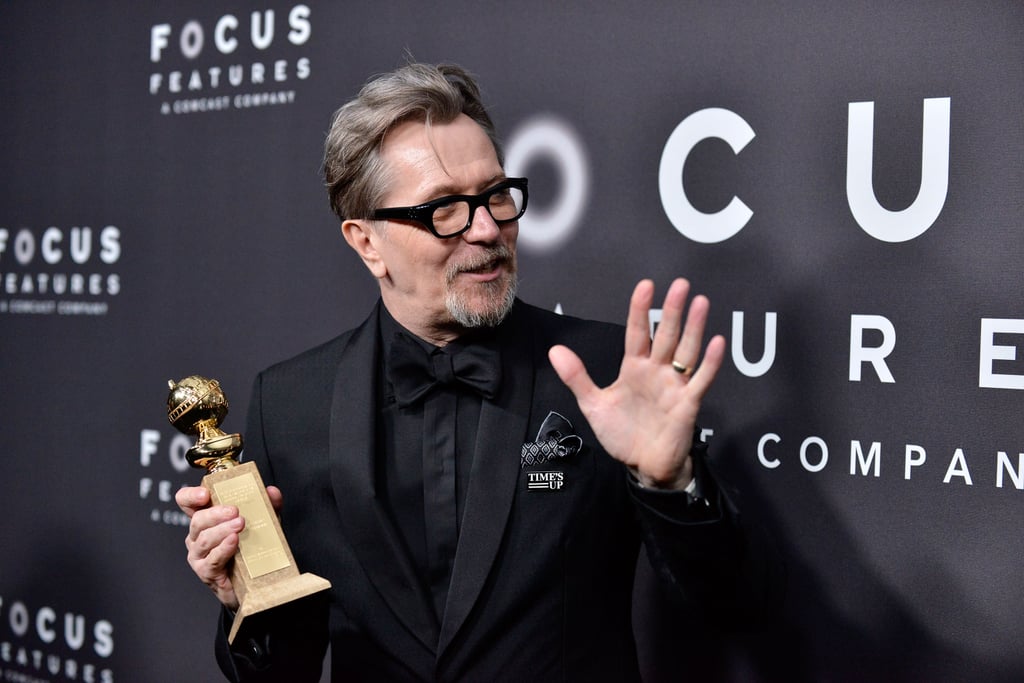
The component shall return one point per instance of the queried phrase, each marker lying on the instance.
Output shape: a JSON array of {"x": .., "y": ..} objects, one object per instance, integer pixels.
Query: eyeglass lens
[{"x": 504, "y": 204}]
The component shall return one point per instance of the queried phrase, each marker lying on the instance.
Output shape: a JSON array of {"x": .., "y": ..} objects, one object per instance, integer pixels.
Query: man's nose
[{"x": 482, "y": 228}]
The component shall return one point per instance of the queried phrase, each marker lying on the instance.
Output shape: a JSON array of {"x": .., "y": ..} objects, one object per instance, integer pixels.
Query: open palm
[{"x": 646, "y": 417}]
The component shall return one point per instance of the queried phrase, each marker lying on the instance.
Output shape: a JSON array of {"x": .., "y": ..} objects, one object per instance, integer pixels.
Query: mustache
[{"x": 492, "y": 256}]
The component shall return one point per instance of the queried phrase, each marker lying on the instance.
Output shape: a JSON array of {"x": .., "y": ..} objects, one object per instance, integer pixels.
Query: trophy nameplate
[{"x": 263, "y": 574}]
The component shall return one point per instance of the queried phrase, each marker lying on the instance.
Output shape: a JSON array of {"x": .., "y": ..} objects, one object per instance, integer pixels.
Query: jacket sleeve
[
  {"x": 285, "y": 643},
  {"x": 717, "y": 565}
]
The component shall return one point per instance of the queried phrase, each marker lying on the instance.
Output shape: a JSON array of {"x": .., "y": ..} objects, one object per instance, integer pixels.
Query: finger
[
  {"x": 276, "y": 498},
  {"x": 210, "y": 554},
  {"x": 211, "y": 518},
  {"x": 667, "y": 335},
  {"x": 573, "y": 374},
  {"x": 638, "y": 327},
  {"x": 705, "y": 375},
  {"x": 688, "y": 350},
  {"x": 211, "y": 563},
  {"x": 192, "y": 498}
]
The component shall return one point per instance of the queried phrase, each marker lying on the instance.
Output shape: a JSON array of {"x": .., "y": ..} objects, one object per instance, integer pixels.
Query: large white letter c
[{"x": 707, "y": 228}]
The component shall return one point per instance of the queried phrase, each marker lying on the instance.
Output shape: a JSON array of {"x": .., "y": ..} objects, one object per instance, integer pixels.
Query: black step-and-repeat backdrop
[{"x": 844, "y": 180}]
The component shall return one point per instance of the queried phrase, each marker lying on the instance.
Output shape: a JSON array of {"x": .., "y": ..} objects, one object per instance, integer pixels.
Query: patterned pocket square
[{"x": 555, "y": 439}]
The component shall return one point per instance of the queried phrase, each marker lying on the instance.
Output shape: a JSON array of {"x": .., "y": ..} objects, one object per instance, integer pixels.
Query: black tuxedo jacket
[{"x": 542, "y": 580}]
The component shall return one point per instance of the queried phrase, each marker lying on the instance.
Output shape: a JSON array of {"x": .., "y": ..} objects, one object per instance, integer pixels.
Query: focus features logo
[
  {"x": 164, "y": 469},
  {"x": 62, "y": 271},
  {"x": 232, "y": 62},
  {"x": 47, "y": 644}
]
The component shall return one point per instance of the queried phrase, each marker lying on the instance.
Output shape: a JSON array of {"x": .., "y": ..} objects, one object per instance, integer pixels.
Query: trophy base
[
  {"x": 278, "y": 593},
  {"x": 264, "y": 573}
]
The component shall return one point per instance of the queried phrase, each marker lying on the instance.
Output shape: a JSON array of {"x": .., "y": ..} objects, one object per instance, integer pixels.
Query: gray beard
[
  {"x": 501, "y": 293},
  {"x": 492, "y": 314}
]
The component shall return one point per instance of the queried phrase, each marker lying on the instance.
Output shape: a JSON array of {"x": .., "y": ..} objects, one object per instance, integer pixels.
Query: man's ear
[{"x": 362, "y": 237}]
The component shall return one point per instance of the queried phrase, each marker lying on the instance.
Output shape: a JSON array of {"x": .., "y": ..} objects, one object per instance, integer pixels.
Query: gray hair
[{"x": 354, "y": 173}]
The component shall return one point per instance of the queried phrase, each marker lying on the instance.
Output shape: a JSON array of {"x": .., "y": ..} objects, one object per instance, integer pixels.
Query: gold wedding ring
[{"x": 684, "y": 370}]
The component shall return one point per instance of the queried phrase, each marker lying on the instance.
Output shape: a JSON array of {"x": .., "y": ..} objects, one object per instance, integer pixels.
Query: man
[{"x": 451, "y": 466}]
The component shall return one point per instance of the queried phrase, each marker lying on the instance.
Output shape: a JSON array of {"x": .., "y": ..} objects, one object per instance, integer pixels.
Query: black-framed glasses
[{"x": 453, "y": 215}]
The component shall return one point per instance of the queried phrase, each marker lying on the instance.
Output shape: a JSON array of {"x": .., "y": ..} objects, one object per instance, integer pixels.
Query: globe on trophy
[{"x": 264, "y": 574}]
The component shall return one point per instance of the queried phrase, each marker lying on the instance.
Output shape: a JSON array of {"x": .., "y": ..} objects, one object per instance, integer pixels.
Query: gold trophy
[{"x": 263, "y": 574}]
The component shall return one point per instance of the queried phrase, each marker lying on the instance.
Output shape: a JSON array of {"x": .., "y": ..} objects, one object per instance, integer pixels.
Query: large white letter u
[{"x": 879, "y": 222}]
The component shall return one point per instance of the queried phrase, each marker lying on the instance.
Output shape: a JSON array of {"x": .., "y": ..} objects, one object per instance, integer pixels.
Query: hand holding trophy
[{"x": 264, "y": 574}]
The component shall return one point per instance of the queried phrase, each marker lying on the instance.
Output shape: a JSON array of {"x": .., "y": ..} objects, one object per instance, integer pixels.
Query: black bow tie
[{"x": 414, "y": 372}]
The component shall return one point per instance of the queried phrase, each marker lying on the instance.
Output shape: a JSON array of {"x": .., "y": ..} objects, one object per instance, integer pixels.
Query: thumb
[
  {"x": 570, "y": 370},
  {"x": 276, "y": 499}
]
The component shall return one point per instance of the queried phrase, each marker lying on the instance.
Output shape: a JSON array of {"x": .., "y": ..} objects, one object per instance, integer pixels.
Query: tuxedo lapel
[
  {"x": 363, "y": 515},
  {"x": 493, "y": 477}
]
